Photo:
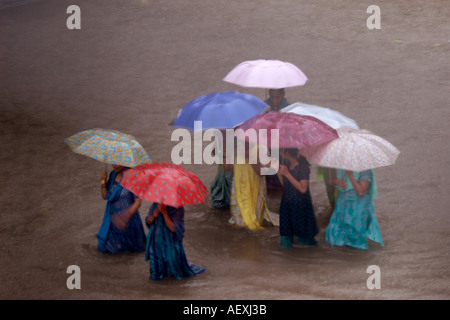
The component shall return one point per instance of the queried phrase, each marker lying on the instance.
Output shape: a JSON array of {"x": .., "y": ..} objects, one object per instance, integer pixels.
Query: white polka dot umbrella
[{"x": 355, "y": 150}]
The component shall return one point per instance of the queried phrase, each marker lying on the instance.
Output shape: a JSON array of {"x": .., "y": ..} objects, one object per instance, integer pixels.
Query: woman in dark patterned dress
[{"x": 297, "y": 217}]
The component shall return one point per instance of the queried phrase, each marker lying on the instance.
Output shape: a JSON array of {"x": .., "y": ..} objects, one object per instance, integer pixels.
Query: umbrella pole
[{"x": 105, "y": 164}]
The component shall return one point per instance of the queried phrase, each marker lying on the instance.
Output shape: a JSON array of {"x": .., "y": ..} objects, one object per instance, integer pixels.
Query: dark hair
[
  {"x": 292, "y": 151},
  {"x": 281, "y": 90},
  {"x": 295, "y": 153}
]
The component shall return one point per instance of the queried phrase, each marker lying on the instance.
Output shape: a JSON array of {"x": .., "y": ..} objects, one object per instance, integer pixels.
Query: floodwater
[{"x": 134, "y": 64}]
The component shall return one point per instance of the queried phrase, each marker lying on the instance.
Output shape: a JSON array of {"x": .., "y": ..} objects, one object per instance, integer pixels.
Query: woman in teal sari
[
  {"x": 353, "y": 220},
  {"x": 164, "y": 243}
]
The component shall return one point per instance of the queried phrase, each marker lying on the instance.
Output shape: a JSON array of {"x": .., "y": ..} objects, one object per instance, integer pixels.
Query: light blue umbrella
[
  {"x": 333, "y": 118},
  {"x": 220, "y": 110}
]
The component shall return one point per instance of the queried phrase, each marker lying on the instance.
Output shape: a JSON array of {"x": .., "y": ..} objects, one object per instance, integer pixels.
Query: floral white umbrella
[
  {"x": 355, "y": 150},
  {"x": 109, "y": 146}
]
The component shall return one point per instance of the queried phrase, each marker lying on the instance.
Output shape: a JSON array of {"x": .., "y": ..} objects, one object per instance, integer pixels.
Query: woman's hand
[
  {"x": 154, "y": 216},
  {"x": 162, "y": 208},
  {"x": 120, "y": 219},
  {"x": 341, "y": 183},
  {"x": 104, "y": 190},
  {"x": 150, "y": 219},
  {"x": 169, "y": 223},
  {"x": 283, "y": 170},
  {"x": 359, "y": 186},
  {"x": 350, "y": 174}
]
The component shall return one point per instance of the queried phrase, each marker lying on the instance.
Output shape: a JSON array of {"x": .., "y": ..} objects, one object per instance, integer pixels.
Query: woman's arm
[
  {"x": 301, "y": 186},
  {"x": 280, "y": 178},
  {"x": 134, "y": 207},
  {"x": 104, "y": 190},
  {"x": 169, "y": 223},
  {"x": 359, "y": 186},
  {"x": 121, "y": 219},
  {"x": 279, "y": 173},
  {"x": 150, "y": 219}
]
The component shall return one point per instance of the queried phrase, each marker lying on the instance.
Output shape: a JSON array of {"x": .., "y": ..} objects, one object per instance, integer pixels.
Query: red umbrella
[{"x": 165, "y": 183}]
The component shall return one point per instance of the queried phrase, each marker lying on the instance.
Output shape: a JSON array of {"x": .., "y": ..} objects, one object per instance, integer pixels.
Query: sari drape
[
  {"x": 112, "y": 239},
  {"x": 165, "y": 250},
  {"x": 248, "y": 199},
  {"x": 221, "y": 188},
  {"x": 353, "y": 220}
]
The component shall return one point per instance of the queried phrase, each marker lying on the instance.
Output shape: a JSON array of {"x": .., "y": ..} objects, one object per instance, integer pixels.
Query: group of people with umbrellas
[
  {"x": 135, "y": 178},
  {"x": 345, "y": 154}
]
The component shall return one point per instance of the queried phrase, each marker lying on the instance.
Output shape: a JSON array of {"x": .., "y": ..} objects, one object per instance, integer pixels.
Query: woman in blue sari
[
  {"x": 122, "y": 229},
  {"x": 165, "y": 243},
  {"x": 353, "y": 220}
]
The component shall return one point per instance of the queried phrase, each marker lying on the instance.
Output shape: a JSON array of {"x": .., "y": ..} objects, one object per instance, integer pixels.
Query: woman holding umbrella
[
  {"x": 353, "y": 220},
  {"x": 356, "y": 153},
  {"x": 170, "y": 187},
  {"x": 297, "y": 217},
  {"x": 165, "y": 249},
  {"x": 122, "y": 228}
]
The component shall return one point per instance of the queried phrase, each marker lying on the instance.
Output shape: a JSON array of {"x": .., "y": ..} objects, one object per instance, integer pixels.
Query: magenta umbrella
[
  {"x": 295, "y": 131},
  {"x": 269, "y": 74}
]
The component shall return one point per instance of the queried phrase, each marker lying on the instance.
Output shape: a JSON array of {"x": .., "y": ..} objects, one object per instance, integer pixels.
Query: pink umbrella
[
  {"x": 269, "y": 74},
  {"x": 295, "y": 131},
  {"x": 355, "y": 150}
]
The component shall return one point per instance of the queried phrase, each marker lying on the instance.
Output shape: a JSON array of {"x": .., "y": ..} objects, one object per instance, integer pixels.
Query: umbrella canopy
[
  {"x": 333, "y": 118},
  {"x": 269, "y": 74},
  {"x": 220, "y": 110},
  {"x": 295, "y": 131},
  {"x": 165, "y": 183},
  {"x": 355, "y": 150},
  {"x": 109, "y": 146}
]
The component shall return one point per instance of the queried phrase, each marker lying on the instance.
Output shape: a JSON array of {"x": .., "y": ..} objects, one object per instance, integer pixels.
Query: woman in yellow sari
[{"x": 248, "y": 198}]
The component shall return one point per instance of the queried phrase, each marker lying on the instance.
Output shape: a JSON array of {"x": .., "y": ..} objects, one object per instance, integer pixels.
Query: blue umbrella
[{"x": 220, "y": 110}]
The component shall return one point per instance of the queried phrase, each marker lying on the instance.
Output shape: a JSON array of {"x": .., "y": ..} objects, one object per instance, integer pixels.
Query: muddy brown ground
[{"x": 134, "y": 64}]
